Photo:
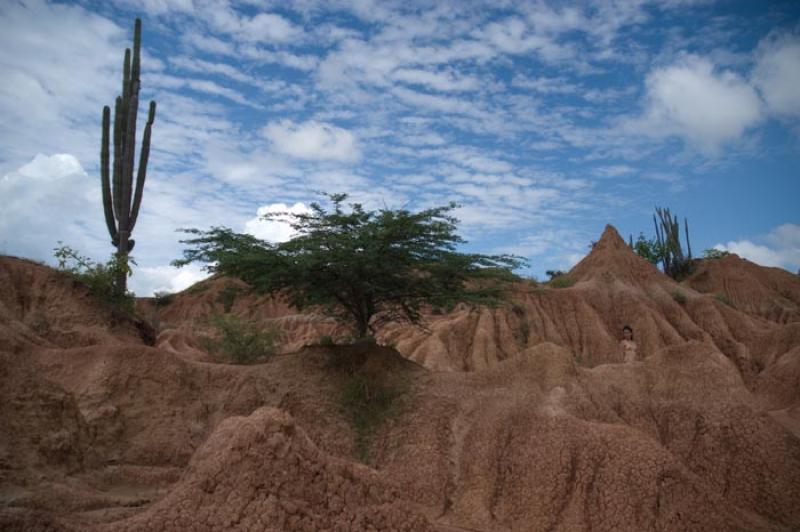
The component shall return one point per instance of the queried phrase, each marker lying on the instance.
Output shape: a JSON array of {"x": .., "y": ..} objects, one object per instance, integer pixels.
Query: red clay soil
[
  {"x": 519, "y": 417},
  {"x": 772, "y": 293}
]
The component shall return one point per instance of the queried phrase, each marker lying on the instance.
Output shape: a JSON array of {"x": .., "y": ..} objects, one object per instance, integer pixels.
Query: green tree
[
  {"x": 649, "y": 250},
  {"x": 714, "y": 253},
  {"x": 364, "y": 267},
  {"x": 121, "y": 201}
]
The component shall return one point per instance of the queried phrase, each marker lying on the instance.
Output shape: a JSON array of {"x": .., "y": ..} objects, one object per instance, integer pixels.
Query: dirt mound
[
  {"x": 536, "y": 443},
  {"x": 263, "y": 472},
  {"x": 40, "y": 306},
  {"x": 42, "y": 428},
  {"x": 772, "y": 293},
  {"x": 612, "y": 259}
]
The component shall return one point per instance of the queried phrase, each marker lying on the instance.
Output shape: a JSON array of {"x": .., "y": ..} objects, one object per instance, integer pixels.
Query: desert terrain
[{"x": 517, "y": 417}]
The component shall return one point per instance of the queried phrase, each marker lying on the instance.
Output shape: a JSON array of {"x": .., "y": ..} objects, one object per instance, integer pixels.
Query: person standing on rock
[{"x": 628, "y": 345}]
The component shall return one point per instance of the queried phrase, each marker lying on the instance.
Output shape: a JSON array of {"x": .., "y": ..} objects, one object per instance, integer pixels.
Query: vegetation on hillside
[{"x": 364, "y": 267}]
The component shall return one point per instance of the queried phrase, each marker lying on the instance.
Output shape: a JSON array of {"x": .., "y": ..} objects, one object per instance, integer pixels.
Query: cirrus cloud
[{"x": 312, "y": 140}]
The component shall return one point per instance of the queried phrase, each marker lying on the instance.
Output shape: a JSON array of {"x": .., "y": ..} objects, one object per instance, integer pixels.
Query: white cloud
[
  {"x": 159, "y": 7},
  {"x": 692, "y": 100},
  {"x": 274, "y": 230},
  {"x": 785, "y": 236},
  {"x": 432, "y": 102},
  {"x": 544, "y": 85},
  {"x": 441, "y": 81},
  {"x": 757, "y": 253},
  {"x": 61, "y": 64},
  {"x": 199, "y": 85},
  {"x": 513, "y": 36},
  {"x": 268, "y": 26},
  {"x": 777, "y": 74},
  {"x": 312, "y": 140},
  {"x": 148, "y": 280},
  {"x": 423, "y": 139},
  {"x": 52, "y": 199},
  {"x": 783, "y": 251},
  {"x": 208, "y": 67},
  {"x": 281, "y": 57},
  {"x": 614, "y": 170},
  {"x": 208, "y": 43},
  {"x": 485, "y": 164}
]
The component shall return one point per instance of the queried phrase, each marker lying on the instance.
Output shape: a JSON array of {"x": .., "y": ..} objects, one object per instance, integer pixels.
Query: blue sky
[{"x": 544, "y": 120}]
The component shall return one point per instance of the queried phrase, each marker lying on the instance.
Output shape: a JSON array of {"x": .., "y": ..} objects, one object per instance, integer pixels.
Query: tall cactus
[{"x": 121, "y": 207}]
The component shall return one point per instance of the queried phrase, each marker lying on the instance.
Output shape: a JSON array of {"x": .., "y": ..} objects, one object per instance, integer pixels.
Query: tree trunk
[{"x": 362, "y": 327}]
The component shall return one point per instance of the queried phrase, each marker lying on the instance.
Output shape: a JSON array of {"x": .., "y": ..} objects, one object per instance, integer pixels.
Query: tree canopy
[{"x": 365, "y": 267}]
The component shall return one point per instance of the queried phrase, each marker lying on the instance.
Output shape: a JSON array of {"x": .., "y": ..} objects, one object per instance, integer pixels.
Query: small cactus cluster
[
  {"x": 668, "y": 237},
  {"x": 120, "y": 201}
]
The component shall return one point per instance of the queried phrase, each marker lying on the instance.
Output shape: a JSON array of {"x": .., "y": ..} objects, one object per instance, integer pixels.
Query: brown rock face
[
  {"x": 771, "y": 293},
  {"x": 520, "y": 417},
  {"x": 262, "y": 472}
]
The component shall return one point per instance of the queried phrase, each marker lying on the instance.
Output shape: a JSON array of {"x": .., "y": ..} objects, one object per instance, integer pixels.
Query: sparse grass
[
  {"x": 679, "y": 297},
  {"x": 367, "y": 402},
  {"x": 531, "y": 282},
  {"x": 198, "y": 288},
  {"x": 38, "y": 322},
  {"x": 241, "y": 341},
  {"x": 227, "y": 296},
  {"x": 722, "y": 297},
  {"x": 561, "y": 282}
]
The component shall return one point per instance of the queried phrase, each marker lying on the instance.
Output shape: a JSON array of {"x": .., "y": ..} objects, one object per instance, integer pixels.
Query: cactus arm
[
  {"x": 117, "y": 176},
  {"x": 104, "y": 174},
  {"x": 142, "y": 171},
  {"x": 661, "y": 246},
  {"x": 128, "y": 157},
  {"x": 688, "y": 244},
  {"x": 137, "y": 44}
]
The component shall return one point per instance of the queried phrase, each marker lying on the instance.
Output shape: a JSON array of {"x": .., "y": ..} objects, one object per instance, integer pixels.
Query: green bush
[
  {"x": 722, "y": 297},
  {"x": 163, "y": 298},
  {"x": 240, "y": 340},
  {"x": 715, "y": 254},
  {"x": 650, "y": 250},
  {"x": 367, "y": 402},
  {"x": 562, "y": 282},
  {"x": 227, "y": 296},
  {"x": 679, "y": 297},
  {"x": 99, "y": 278}
]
